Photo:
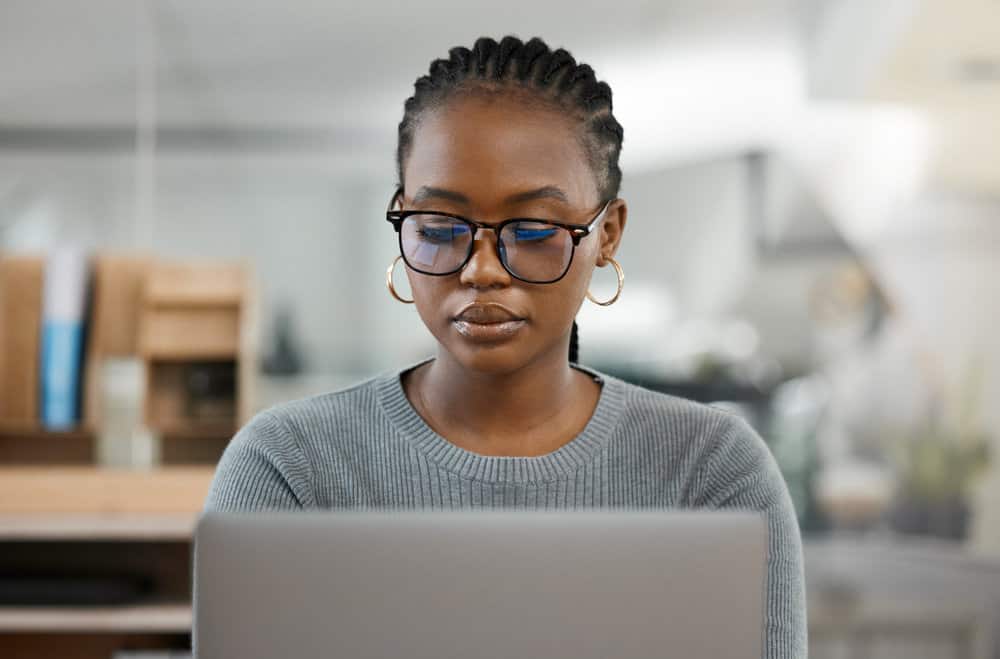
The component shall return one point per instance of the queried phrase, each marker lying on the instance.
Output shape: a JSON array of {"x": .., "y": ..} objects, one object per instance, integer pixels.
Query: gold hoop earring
[
  {"x": 621, "y": 284},
  {"x": 388, "y": 281}
]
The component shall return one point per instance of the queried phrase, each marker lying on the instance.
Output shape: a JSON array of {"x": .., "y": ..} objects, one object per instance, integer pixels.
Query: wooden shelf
[
  {"x": 130, "y": 527},
  {"x": 31, "y": 444},
  {"x": 35, "y": 430},
  {"x": 196, "y": 430},
  {"x": 66, "y": 490},
  {"x": 177, "y": 356},
  {"x": 197, "y": 283},
  {"x": 137, "y": 618}
]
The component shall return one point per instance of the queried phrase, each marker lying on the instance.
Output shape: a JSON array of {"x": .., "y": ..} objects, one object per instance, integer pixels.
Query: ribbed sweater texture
[{"x": 366, "y": 447}]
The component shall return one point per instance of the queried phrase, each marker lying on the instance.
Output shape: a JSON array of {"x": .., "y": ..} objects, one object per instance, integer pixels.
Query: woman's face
[{"x": 489, "y": 160}]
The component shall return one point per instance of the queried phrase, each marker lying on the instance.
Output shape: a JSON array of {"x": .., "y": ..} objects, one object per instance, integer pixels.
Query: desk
[{"x": 868, "y": 596}]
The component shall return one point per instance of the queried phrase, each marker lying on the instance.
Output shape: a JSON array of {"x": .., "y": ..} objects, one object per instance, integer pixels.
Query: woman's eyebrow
[
  {"x": 545, "y": 192},
  {"x": 426, "y": 192}
]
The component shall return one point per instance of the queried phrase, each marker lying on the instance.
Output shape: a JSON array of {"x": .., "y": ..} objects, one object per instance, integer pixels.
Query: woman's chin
[{"x": 493, "y": 358}]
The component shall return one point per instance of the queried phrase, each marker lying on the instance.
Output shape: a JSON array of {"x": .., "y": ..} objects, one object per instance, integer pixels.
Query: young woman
[{"x": 506, "y": 202}]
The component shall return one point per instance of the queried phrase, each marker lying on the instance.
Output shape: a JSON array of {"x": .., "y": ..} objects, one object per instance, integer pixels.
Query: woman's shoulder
[
  {"x": 322, "y": 414},
  {"x": 347, "y": 418},
  {"x": 708, "y": 446},
  {"x": 275, "y": 458},
  {"x": 649, "y": 410}
]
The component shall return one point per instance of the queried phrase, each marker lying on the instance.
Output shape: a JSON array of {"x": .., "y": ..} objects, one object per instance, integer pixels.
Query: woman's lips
[
  {"x": 487, "y": 321},
  {"x": 488, "y": 331},
  {"x": 486, "y": 312}
]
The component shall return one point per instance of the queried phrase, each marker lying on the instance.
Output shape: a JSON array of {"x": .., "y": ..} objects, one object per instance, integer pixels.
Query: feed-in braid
[{"x": 551, "y": 77}]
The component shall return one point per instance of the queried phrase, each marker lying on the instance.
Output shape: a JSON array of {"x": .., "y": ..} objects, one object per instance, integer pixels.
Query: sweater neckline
[{"x": 496, "y": 468}]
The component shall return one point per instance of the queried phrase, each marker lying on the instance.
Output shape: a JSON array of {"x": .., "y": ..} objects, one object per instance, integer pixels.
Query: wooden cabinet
[
  {"x": 83, "y": 525},
  {"x": 196, "y": 339}
]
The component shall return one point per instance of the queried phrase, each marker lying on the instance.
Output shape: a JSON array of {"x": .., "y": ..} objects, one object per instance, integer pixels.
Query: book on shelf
[
  {"x": 21, "y": 282},
  {"x": 64, "y": 308}
]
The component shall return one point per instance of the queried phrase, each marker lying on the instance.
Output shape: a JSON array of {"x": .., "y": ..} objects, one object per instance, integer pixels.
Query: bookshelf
[
  {"x": 192, "y": 325},
  {"x": 100, "y": 522},
  {"x": 196, "y": 339},
  {"x": 99, "y": 559}
]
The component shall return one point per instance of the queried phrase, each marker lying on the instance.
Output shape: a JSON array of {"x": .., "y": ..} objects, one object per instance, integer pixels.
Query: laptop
[{"x": 480, "y": 585}]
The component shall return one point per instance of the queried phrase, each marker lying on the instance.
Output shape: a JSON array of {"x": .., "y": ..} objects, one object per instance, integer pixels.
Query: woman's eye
[
  {"x": 534, "y": 233},
  {"x": 442, "y": 233}
]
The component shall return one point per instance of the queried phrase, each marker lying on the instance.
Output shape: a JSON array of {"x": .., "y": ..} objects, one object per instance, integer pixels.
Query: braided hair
[{"x": 550, "y": 78}]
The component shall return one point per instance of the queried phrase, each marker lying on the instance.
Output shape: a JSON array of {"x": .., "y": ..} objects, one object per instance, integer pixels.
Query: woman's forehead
[{"x": 489, "y": 150}]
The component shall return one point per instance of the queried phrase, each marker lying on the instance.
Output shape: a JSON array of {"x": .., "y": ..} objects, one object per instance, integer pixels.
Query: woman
[{"x": 507, "y": 200}]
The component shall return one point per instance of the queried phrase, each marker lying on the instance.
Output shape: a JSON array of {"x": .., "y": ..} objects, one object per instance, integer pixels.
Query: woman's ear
[{"x": 611, "y": 230}]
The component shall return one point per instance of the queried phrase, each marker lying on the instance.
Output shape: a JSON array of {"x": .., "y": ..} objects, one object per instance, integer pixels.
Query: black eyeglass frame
[{"x": 577, "y": 231}]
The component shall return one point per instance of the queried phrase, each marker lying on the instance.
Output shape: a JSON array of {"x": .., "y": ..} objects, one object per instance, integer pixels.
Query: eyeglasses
[{"x": 532, "y": 250}]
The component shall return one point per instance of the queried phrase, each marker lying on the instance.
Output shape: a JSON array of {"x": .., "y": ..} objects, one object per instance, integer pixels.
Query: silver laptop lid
[{"x": 484, "y": 584}]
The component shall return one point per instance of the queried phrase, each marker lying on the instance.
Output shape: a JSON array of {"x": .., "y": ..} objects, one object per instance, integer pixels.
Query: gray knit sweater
[{"x": 365, "y": 446}]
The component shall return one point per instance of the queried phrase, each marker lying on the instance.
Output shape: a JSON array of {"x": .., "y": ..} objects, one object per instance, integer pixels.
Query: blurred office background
[{"x": 813, "y": 242}]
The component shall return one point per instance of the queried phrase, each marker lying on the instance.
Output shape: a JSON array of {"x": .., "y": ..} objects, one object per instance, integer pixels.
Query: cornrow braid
[
  {"x": 552, "y": 77},
  {"x": 574, "y": 344}
]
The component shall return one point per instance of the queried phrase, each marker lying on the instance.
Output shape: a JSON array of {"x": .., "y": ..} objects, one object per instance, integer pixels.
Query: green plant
[
  {"x": 937, "y": 465},
  {"x": 943, "y": 459}
]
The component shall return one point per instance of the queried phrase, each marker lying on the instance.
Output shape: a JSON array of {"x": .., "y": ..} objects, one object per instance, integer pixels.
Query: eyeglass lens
[{"x": 531, "y": 250}]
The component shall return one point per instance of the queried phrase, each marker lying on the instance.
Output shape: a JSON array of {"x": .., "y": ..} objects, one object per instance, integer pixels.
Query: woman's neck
[{"x": 531, "y": 411}]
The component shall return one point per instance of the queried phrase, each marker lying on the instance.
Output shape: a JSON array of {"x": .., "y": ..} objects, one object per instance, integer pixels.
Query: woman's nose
[{"x": 484, "y": 268}]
